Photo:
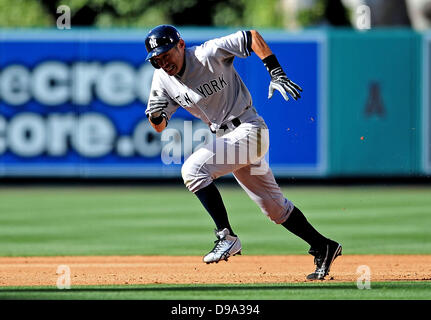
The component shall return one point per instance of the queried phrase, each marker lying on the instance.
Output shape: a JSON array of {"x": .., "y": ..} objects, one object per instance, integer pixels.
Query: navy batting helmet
[{"x": 159, "y": 40}]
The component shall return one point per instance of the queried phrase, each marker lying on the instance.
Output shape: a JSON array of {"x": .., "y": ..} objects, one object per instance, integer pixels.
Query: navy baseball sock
[
  {"x": 298, "y": 225},
  {"x": 211, "y": 199}
]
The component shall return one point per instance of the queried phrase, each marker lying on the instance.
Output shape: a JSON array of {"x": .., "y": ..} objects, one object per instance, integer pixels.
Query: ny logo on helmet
[{"x": 153, "y": 43}]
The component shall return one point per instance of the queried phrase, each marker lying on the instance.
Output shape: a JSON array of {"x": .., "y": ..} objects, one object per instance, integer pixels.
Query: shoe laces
[
  {"x": 318, "y": 258},
  {"x": 219, "y": 244},
  {"x": 220, "y": 248}
]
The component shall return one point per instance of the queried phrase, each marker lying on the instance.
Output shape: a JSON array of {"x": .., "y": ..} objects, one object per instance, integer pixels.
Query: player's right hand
[
  {"x": 284, "y": 85},
  {"x": 156, "y": 106}
]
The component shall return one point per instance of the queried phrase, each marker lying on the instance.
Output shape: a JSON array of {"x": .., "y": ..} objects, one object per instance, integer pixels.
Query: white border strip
[{"x": 323, "y": 104}]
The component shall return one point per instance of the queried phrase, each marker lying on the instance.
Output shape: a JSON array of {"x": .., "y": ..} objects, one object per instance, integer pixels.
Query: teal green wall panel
[{"x": 373, "y": 103}]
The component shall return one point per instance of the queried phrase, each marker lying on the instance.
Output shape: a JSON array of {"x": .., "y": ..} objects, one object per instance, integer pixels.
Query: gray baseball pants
[{"x": 240, "y": 151}]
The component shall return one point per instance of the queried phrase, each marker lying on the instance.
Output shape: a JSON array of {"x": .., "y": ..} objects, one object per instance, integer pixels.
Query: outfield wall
[
  {"x": 375, "y": 103},
  {"x": 72, "y": 104}
]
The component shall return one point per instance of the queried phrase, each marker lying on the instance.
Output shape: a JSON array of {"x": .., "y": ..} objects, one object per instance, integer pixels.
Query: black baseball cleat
[{"x": 323, "y": 259}]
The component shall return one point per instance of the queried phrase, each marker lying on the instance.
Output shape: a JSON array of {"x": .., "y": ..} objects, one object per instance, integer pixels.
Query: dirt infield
[{"x": 105, "y": 270}]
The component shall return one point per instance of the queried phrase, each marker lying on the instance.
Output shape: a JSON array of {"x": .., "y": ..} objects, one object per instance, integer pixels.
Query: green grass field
[
  {"x": 285, "y": 291},
  {"x": 49, "y": 221}
]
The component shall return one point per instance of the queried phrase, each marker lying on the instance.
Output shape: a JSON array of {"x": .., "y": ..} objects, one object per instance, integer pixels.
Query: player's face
[{"x": 172, "y": 61}]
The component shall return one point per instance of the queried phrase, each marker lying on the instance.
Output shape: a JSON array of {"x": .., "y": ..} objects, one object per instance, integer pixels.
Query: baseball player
[{"x": 203, "y": 80}]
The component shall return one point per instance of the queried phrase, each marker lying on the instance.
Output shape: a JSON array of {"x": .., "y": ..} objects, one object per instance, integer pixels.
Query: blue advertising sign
[{"x": 72, "y": 103}]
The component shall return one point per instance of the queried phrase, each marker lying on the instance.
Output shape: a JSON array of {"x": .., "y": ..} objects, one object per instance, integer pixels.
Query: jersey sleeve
[
  {"x": 237, "y": 44},
  {"x": 157, "y": 89}
]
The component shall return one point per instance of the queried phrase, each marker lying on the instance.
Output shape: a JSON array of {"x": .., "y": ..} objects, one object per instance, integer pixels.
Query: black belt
[{"x": 236, "y": 122}]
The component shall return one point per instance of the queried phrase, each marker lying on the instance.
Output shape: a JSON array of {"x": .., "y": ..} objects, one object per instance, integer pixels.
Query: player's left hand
[{"x": 284, "y": 85}]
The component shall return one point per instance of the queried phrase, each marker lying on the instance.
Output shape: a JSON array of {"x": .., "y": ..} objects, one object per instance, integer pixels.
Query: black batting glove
[{"x": 279, "y": 80}]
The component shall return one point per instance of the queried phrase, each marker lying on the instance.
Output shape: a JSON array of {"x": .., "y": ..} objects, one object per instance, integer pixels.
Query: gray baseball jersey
[{"x": 210, "y": 88}]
